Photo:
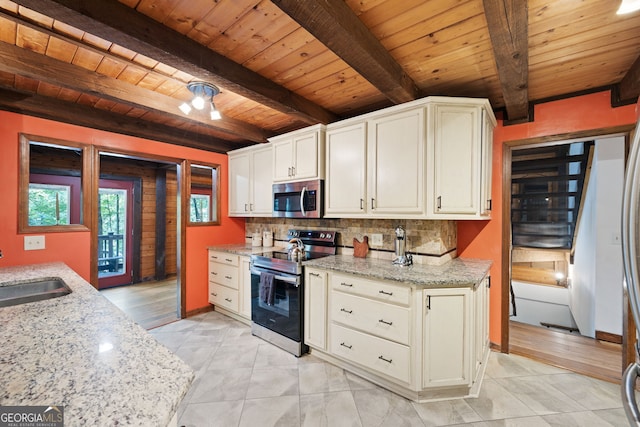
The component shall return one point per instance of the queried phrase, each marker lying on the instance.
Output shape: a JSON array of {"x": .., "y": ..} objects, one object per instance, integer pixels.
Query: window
[
  {"x": 53, "y": 182},
  {"x": 49, "y": 204},
  {"x": 203, "y": 198},
  {"x": 200, "y": 207}
]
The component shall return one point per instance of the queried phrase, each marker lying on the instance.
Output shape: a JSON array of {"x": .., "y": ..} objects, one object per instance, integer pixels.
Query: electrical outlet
[
  {"x": 32, "y": 243},
  {"x": 376, "y": 239}
]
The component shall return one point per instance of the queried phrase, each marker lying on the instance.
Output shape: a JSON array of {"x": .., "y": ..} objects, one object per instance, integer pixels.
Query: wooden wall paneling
[
  {"x": 171, "y": 230},
  {"x": 161, "y": 223}
]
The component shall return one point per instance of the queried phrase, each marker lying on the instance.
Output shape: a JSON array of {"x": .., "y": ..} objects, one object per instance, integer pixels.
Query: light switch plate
[
  {"x": 376, "y": 239},
  {"x": 32, "y": 243}
]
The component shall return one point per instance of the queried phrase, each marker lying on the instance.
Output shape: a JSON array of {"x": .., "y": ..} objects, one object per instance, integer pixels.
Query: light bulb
[
  {"x": 215, "y": 114},
  {"x": 628, "y": 6},
  {"x": 198, "y": 102},
  {"x": 184, "y": 107}
]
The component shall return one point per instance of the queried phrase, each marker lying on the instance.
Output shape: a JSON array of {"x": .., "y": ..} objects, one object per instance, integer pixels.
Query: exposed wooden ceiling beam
[
  {"x": 629, "y": 86},
  {"x": 116, "y": 22},
  {"x": 26, "y": 63},
  {"x": 337, "y": 27},
  {"x": 508, "y": 29},
  {"x": 70, "y": 112}
]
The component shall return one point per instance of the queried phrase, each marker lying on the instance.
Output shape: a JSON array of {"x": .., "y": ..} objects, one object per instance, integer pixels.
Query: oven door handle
[{"x": 289, "y": 279}]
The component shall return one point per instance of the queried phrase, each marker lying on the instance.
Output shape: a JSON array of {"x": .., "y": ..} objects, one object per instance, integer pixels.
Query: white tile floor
[{"x": 242, "y": 380}]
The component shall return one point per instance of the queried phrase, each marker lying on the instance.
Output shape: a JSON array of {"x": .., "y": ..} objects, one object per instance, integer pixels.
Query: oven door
[{"x": 277, "y": 307}]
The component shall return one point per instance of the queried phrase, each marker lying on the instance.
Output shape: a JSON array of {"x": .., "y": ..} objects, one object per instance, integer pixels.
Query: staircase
[{"x": 546, "y": 191}]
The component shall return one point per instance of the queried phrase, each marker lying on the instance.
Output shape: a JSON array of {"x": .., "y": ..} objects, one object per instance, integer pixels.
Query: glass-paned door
[{"x": 114, "y": 233}]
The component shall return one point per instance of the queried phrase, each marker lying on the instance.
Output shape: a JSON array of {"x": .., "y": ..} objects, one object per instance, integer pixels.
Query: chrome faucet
[
  {"x": 401, "y": 257},
  {"x": 297, "y": 252}
]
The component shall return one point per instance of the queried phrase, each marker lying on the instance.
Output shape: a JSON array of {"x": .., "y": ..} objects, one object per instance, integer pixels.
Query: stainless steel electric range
[{"x": 277, "y": 288}]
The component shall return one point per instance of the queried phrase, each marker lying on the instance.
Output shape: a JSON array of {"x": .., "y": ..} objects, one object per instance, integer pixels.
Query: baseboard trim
[
  {"x": 609, "y": 337},
  {"x": 200, "y": 310},
  {"x": 495, "y": 347}
]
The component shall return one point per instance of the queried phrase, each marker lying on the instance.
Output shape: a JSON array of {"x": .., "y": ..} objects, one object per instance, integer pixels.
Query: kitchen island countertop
[
  {"x": 81, "y": 352},
  {"x": 459, "y": 272}
]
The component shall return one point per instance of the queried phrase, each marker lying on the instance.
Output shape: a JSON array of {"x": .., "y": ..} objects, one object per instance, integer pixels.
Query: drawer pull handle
[
  {"x": 385, "y": 360},
  {"x": 314, "y": 274},
  {"x": 385, "y": 322},
  {"x": 228, "y": 260},
  {"x": 385, "y": 293},
  {"x": 214, "y": 257},
  {"x": 347, "y": 284},
  {"x": 346, "y": 311},
  {"x": 214, "y": 273},
  {"x": 227, "y": 300},
  {"x": 228, "y": 277},
  {"x": 214, "y": 294},
  {"x": 347, "y": 345}
]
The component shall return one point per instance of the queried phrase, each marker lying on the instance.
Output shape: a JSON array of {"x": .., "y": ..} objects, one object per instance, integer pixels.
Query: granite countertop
[
  {"x": 244, "y": 249},
  {"x": 459, "y": 272},
  {"x": 81, "y": 352}
]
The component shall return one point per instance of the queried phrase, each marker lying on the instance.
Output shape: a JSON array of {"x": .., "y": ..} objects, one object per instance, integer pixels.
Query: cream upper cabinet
[
  {"x": 396, "y": 160},
  {"x": 346, "y": 176},
  {"x": 299, "y": 155},
  {"x": 250, "y": 181},
  {"x": 459, "y": 142},
  {"x": 376, "y": 166}
]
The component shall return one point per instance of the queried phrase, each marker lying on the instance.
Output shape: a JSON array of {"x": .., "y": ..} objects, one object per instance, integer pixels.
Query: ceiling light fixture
[
  {"x": 202, "y": 93},
  {"x": 628, "y": 6}
]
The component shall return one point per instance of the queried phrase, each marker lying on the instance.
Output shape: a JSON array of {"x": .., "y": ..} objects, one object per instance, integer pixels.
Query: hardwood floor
[
  {"x": 150, "y": 304},
  {"x": 587, "y": 356}
]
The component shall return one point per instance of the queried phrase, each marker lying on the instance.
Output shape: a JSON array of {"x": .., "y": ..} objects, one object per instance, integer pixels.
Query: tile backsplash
[{"x": 428, "y": 241}]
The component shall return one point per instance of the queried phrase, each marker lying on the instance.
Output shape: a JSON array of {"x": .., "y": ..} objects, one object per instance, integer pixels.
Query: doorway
[
  {"x": 138, "y": 238},
  {"x": 115, "y": 232},
  {"x": 548, "y": 345}
]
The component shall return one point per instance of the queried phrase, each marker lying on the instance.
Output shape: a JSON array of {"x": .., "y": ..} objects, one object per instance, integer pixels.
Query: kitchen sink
[{"x": 32, "y": 290}]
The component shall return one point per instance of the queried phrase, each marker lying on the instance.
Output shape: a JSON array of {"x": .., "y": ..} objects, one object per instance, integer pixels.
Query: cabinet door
[
  {"x": 283, "y": 160},
  {"x": 456, "y": 155},
  {"x": 396, "y": 161},
  {"x": 306, "y": 156},
  {"x": 315, "y": 309},
  {"x": 245, "y": 287},
  {"x": 487, "y": 162},
  {"x": 239, "y": 184},
  {"x": 346, "y": 181},
  {"x": 262, "y": 182},
  {"x": 447, "y": 341}
]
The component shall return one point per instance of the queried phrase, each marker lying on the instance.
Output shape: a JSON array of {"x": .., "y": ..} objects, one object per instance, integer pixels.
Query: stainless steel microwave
[{"x": 302, "y": 199}]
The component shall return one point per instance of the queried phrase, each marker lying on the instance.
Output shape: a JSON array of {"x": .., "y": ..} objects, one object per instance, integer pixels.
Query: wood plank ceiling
[{"x": 123, "y": 65}]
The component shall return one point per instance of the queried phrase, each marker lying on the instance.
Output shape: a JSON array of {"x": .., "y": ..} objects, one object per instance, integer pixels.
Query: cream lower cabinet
[
  {"x": 229, "y": 286},
  {"x": 419, "y": 343},
  {"x": 447, "y": 337},
  {"x": 315, "y": 308}
]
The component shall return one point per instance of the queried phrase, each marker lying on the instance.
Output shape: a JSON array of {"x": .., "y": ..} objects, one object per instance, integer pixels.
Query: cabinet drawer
[
  {"x": 384, "y": 357},
  {"x": 381, "y": 291},
  {"x": 223, "y": 258},
  {"x": 223, "y": 274},
  {"x": 378, "y": 318},
  {"x": 223, "y": 297}
]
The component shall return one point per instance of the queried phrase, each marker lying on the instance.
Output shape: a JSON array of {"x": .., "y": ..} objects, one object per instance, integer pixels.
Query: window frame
[
  {"x": 24, "y": 171},
  {"x": 214, "y": 211}
]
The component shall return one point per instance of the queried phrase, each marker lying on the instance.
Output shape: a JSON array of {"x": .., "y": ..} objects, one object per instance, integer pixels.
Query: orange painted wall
[
  {"x": 482, "y": 239},
  {"x": 74, "y": 248}
]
